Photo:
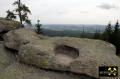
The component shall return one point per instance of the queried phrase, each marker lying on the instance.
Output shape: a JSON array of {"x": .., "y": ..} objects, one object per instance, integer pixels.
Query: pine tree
[
  {"x": 38, "y": 26},
  {"x": 21, "y": 11},
  {"x": 106, "y": 36},
  {"x": 10, "y": 15},
  {"x": 117, "y": 27},
  {"x": 116, "y": 37}
]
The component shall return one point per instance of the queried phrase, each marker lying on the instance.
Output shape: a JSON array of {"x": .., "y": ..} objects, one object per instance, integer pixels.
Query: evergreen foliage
[
  {"x": 106, "y": 36},
  {"x": 10, "y": 15},
  {"x": 21, "y": 11},
  {"x": 38, "y": 26},
  {"x": 113, "y": 36},
  {"x": 115, "y": 39}
]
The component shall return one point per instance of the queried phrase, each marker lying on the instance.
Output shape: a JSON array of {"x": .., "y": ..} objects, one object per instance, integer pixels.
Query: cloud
[
  {"x": 107, "y": 6},
  {"x": 84, "y": 12}
]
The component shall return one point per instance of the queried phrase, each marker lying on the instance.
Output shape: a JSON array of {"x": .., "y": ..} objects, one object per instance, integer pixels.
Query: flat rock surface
[
  {"x": 21, "y": 71},
  {"x": 76, "y": 55}
]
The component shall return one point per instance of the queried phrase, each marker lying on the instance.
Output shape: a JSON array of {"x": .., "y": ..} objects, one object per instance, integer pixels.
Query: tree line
[{"x": 111, "y": 35}]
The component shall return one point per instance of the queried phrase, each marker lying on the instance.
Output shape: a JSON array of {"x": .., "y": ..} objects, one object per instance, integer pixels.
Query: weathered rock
[
  {"x": 78, "y": 55},
  {"x": 7, "y": 25},
  {"x": 6, "y": 58},
  {"x": 15, "y": 38},
  {"x": 70, "y": 54},
  {"x": 21, "y": 71}
]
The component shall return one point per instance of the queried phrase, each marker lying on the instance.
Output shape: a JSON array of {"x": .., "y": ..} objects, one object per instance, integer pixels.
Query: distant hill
[
  {"x": 70, "y": 29},
  {"x": 70, "y": 33},
  {"x": 49, "y": 32}
]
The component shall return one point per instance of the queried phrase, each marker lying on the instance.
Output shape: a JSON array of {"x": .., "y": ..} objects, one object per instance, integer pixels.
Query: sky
[{"x": 69, "y": 11}]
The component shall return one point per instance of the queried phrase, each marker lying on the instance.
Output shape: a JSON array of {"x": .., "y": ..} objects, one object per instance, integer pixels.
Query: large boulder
[
  {"x": 6, "y": 58},
  {"x": 77, "y": 55},
  {"x": 70, "y": 54},
  {"x": 7, "y": 25},
  {"x": 15, "y": 38}
]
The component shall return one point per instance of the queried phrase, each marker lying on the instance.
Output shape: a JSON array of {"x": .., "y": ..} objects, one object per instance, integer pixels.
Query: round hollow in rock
[{"x": 66, "y": 54}]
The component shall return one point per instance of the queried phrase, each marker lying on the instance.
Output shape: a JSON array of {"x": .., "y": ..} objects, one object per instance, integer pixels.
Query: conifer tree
[
  {"x": 10, "y": 15},
  {"x": 21, "y": 11},
  {"x": 38, "y": 26},
  {"x": 116, "y": 27},
  {"x": 116, "y": 37},
  {"x": 106, "y": 36}
]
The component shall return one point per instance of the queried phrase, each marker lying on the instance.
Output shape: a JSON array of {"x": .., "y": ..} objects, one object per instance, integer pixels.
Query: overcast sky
[{"x": 69, "y": 11}]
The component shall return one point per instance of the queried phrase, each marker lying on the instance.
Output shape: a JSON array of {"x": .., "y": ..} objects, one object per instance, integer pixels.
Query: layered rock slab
[
  {"x": 77, "y": 55},
  {"x": 6, "y": 57},
  {"x": 7, "y": 25},
  {"x": 22, "y": 71}
]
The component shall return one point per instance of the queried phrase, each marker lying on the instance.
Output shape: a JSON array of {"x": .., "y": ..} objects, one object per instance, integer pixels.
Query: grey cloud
[{"x": 108, "y": 6}]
